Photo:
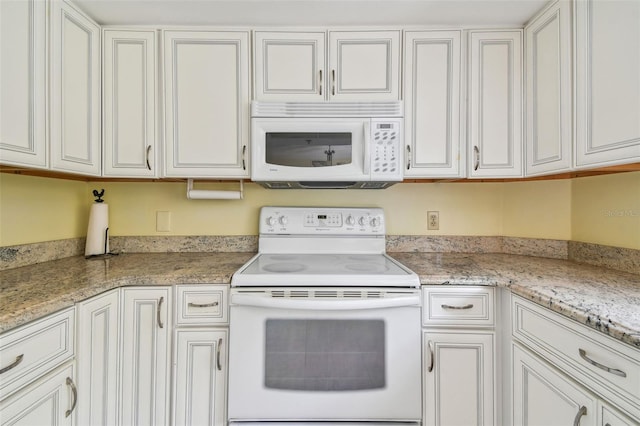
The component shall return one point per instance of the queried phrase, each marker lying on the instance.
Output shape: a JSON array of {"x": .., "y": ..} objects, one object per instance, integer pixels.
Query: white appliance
[
  {"x": 326, "y": 144},
  {"x": 324, "y": 326}
]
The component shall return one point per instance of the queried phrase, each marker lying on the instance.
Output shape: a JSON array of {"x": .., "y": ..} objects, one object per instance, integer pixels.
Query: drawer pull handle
[
  {"x": 203, "y": 305},
  {"x": 431, "y": 357},
  {"x": 583, "y": 355},
  {"x": 13, "y": 364},
  {"x": 469, "y": 306},
  {"x": 160, "y": 324},
  {"x": 581, "y": 412},
  {"x": 75, "y": 396},
  {"x": 218, "y": 364}
]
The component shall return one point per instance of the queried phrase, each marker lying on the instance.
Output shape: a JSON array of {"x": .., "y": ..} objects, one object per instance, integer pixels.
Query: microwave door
[{"x": 308, "y": 149}]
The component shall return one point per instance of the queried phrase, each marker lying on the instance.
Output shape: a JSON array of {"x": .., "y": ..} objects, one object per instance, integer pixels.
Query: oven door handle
[{"x": 324, "y": 305}]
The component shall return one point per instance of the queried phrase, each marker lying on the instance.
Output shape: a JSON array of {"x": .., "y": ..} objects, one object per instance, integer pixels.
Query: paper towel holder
[{"x": 200, "y": 194}]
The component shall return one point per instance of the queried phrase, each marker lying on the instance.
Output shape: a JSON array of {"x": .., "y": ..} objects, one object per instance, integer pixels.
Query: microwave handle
[
  {"x": 323, "y": 305},
  {"x": 367, "y": 141}
]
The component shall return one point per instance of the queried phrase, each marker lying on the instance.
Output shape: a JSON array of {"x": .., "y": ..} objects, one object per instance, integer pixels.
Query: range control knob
[
  {"x": 362, "y": 221},
  {"x": 350, "y": 220},
  {"x": 375, "y": 222},
  {"x": 270, "y": 221},
  {"x": 283, "y": 220}
]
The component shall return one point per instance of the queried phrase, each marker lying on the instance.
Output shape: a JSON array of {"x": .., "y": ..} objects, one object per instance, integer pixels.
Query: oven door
[
  {"x": 328, "y": 359},
  {"x": 309, "y": 149}
]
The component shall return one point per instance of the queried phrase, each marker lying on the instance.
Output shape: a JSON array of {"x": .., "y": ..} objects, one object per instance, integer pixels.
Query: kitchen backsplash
[{"x": 623, "y": 259}]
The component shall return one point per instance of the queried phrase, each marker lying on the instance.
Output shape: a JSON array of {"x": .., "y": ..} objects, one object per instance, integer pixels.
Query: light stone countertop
[{"x": 603, "y": 299}]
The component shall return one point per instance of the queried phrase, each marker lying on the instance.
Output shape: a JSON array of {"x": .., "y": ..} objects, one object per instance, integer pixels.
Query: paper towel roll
[{"x": 97, "y": 238}]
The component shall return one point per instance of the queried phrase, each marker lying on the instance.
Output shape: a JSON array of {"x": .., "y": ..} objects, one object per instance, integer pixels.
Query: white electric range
[{"x": 324, "y": 325}]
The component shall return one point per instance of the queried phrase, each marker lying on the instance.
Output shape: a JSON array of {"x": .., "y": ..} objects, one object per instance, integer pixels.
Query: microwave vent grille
[{"x": 327, "y": 109}]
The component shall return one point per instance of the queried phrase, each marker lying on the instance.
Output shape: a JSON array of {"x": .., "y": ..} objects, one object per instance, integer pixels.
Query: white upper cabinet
[
  {"x": 130, "y": 103},
  {"x": 548, "y": 135},
  {"x": 206, "y": 96},
  {"x": 289, "y": 65},
  {"x": 364, "y": 65},
  {"x": 75, "y": 94},
  {"x": 495, "y": 104},
  {"x": 338, "y": 65},
  {"x": 607, "y": 82},
  {"x": 23, "y": 83},
  {"x": 432, "y": 103}
]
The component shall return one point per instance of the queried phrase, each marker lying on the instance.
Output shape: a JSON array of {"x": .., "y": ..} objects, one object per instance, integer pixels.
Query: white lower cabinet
[
  {"x": 544, "y": 396},
  {"x": 146, "y": 350},
  {"x": 566, "y": 373},
  {"x": 200, "y": 376},
  {"x": 458, "y": 362},
  {"x": 200, "y": 355},
  {"x": 37, "y": 372},
  {"x": 97, "y": 341},
  {"x": 49, "y": 401},
  {"x": 458, "y": 378}
]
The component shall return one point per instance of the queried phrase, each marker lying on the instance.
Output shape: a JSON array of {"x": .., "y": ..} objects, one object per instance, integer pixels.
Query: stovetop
[
  {"x": 324, "y": 270},
  {"x": 323, "y": 246}
]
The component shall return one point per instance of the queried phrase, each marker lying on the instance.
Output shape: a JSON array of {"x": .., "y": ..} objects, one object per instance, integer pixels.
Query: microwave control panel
[{"x": 386, "y": 149}]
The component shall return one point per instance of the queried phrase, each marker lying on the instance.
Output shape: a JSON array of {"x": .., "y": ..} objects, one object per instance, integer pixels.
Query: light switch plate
[{"x": 163, "y": 221}]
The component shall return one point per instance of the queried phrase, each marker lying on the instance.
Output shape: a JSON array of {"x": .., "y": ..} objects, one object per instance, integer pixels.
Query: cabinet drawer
[
  {"x": 201, "y": 304},
  {"x": 608, "y": 366},
  {"x": 32, "y": 350},
  {"x": 469, "y": 306}
]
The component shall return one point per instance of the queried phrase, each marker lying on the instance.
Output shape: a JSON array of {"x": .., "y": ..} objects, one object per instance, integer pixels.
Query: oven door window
[
  {"x": 325, "y": 355},
  {"x": 305, "y": 149}
]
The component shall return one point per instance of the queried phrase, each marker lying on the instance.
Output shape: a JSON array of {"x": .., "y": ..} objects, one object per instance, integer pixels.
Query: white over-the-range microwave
[{"x": 327, "y": 144}]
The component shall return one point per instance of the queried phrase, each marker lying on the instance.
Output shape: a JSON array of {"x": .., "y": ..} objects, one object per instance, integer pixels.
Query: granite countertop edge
[{"x": 458, "y": 269}]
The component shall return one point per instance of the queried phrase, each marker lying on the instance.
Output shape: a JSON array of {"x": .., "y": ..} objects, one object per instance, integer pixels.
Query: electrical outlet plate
[{"x": 433, "y": 220}]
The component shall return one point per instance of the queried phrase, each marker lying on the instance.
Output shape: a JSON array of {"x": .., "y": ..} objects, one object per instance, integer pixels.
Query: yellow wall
[
  {"x": 603, "y": 210},
  {"x": 34, "y": 209},
  {"x": 465, "y": 209},
  {"x": 537, "y": 209},
  {"x": 606, "y": 210}
]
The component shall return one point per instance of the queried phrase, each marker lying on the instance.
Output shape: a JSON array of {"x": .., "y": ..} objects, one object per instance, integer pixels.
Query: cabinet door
[
  {"x": 98, "y": 359},
  {"x": 206, "y": 88},
  {"x": 23, "y": 83},
  {"x": 129, "y": 99},
  {"x": 459, "y": 378},
  {"x": 146, "y": 349},
  {"x": 289, "y": 66},
  {"x": 75, "y": 95},
  {"x": 50, "y": 401},
  {"x": 607, "y": 82},
  {"x": 432, "y": 103},
  {"x": 543, "y": 396},
  {"x": 609, "y": 416},
  {"x": 495, "y": 103},
  {"x": 200, "y": 365},
  {"x": 364, "y": 65},
  {"x": 548, "y": 87}
]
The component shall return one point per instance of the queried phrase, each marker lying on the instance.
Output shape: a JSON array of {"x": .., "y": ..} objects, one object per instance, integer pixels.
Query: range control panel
[{"x": 322, "y": 220}]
